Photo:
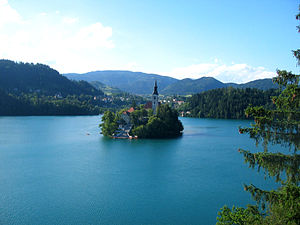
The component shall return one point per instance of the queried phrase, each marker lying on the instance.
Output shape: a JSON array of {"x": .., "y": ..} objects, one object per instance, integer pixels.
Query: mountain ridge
[
  {"x": 142, "y": 83},
  {"x": 128, "y": 81}
]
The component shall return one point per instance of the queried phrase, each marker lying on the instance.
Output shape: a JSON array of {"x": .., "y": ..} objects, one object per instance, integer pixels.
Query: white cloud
[
  {"x": 238, "y": 73},
  {"x": 93, "y": 36},
  {"x": 8, "y": 14},
  {"x": 53, "y": 38},
  {"x": 192, "y": 71},
  {"x": 70, "y": 20}
]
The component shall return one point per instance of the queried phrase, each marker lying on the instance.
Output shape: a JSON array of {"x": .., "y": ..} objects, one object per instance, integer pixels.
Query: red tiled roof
[{"x": 130, "y": 110}]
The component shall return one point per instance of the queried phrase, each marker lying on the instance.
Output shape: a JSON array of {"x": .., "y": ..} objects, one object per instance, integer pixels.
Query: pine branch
[{"x": 275, "y": 164}]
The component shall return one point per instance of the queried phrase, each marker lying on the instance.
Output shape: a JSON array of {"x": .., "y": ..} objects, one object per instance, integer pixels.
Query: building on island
[
  {"x": 126, "y": 115},
  {"x": 124, "y": 128}
]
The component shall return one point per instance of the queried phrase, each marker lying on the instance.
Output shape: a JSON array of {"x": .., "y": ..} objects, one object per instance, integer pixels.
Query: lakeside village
[
  {"x": 174, "y": 101},
  {"x": 151, "y": 120}
]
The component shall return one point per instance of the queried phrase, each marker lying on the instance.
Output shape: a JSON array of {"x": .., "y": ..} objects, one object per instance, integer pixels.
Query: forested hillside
[
  {"x": 31, "y": 104},
  {"x": 34, "y": 104},
  {"x": 227, "y": 103},
  {"x": 108, "y": 90},
  {"x": 38, "y": 78},
  {"x": 36, "y": 89},
  {"x": 189, "y": 86}
]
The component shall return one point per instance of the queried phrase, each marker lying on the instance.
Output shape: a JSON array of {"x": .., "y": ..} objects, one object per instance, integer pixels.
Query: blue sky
[{"x": 233, "y": 40}]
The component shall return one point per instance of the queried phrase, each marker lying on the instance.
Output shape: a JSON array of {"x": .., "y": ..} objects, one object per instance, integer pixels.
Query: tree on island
[
  {"x": 165, "y": 124},
  {"x": 280, "y": 126},
  {"x": 109, "y": 124}
]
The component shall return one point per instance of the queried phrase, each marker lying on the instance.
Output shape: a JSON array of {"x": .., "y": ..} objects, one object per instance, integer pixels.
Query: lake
[{"x": 60, "y": 170}]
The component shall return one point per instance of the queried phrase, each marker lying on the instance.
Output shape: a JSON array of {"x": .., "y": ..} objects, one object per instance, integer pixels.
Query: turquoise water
[{"x": 60, "y": 170}]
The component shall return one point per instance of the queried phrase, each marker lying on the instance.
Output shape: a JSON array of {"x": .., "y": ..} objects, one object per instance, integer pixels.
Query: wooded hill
[
  {"x": 38, "y": 78},
  {"x": 34, "y": 105},
  {"x": 227, "y": 103},
  {"x": 36, "y": 89},
  {"x": 108, "y": 90}
]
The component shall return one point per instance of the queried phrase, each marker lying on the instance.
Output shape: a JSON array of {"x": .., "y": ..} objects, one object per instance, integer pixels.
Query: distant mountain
[
  {"x": 108, "y": 90},
  {"x": 142, "y": 83},
  {"x": 132, "y": 82},
  {"x": 189, "y": 86},
  {"x": 38, "y": 78},
  {"x": 262, "y": 84}
]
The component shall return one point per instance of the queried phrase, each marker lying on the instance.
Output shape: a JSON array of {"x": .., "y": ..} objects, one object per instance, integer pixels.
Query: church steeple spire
[
  {"x": 155, "y": 89},
  {"x": 155, "y": 98}
]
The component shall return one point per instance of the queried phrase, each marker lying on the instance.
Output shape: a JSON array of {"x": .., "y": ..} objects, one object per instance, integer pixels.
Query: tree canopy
[
  {"x": 165, "y": 124},
  {"x": 227, "y": 103}
]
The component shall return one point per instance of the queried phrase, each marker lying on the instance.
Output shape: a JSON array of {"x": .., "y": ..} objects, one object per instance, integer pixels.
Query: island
[{"x": 152, "y": 120}]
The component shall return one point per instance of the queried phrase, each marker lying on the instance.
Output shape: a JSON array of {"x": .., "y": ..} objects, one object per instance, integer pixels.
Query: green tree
[
  {"x": 133, "y": 104},
  {"x": 171, "y": 123},
  {"x": 109, "y": 123},
  {"x": 280, "y": 126},
  {"x": 164, "y": 124}
]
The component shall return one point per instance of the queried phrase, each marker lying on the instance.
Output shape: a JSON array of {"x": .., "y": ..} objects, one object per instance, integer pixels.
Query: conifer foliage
[
  {"x": 227, "y": 103},
  {"x": 280, "y": 127}
]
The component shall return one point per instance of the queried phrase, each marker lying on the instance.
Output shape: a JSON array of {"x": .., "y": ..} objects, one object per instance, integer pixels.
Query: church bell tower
[{"x": 155, "y": 98}]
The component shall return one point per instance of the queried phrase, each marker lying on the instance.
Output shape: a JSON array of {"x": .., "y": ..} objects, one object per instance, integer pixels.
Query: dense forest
[
  {"x": 227, "y": 103},
  {"x": 34, "y": 104}
]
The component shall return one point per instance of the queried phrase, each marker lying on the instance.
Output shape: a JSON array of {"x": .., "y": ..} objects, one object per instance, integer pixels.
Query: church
[{"x": 154, "y": 103}]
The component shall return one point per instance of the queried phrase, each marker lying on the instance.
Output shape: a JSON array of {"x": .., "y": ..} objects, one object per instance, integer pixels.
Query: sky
[{"x": 231, "y": 40}]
